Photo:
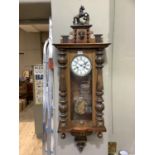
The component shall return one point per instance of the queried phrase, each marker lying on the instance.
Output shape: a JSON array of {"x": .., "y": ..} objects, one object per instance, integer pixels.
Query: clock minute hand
[{"x": 85, "y": 63}]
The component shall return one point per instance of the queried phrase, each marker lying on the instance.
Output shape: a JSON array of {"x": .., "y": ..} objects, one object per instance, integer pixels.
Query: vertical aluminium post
[{"x": 48, "y": 102}]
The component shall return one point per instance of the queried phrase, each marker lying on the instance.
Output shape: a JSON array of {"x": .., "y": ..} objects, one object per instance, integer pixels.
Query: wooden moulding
[
  {"x": 96, "y": 46},
  {"x": 81, "y": 26},
  {"x": 82, "y": 129}
]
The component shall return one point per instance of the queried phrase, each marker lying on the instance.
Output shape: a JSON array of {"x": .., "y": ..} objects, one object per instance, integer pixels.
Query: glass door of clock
[{"x": 81, "y": 97}]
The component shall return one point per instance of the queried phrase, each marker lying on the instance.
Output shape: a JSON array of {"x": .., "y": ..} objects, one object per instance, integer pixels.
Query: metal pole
[{"x": 48, "y": 102}]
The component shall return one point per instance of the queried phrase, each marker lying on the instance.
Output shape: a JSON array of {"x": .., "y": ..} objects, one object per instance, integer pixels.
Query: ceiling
[
  {"x": 33, "y": 17},
  {"x": 33, "y": 1}
]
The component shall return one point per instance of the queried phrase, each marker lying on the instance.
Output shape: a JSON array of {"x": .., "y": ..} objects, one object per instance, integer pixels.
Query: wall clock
[{"x": 81, "y": 61}]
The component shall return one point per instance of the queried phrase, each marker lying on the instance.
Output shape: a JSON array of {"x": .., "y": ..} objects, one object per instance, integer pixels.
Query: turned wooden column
[
  {"x": 88, "y": 35},
  {"x": 62, "y": 60},
  {"x": 75, "y": 35},
  {"x": 99, "y": 90}
]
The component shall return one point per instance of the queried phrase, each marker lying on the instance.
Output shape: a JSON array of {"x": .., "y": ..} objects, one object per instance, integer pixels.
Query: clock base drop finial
[
  {"x": 99, "y": 135},
  {"x": 63, "y": 135},
  {"x": 81, "y": 142}
]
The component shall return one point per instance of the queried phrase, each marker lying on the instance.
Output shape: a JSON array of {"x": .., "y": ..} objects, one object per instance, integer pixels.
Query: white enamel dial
[{"x": 81, "y": 65}]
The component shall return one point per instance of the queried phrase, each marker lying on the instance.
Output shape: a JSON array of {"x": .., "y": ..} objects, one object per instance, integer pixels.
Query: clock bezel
[{"x": 75, "y": 72}]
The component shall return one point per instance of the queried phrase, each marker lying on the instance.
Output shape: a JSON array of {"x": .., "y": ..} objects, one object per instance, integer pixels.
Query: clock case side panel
[
  {"x": 99, "y": 91},
  {"x": 63, "y": 103}
]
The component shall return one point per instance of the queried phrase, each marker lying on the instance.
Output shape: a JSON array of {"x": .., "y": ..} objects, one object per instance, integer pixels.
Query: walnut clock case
[{"x": 81, "y": 61}]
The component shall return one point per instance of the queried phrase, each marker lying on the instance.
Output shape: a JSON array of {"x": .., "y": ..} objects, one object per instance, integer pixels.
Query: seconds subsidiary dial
[{"x": 81, "y": 65}]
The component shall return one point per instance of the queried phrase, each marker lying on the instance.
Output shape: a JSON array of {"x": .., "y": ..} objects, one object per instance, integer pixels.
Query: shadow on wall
[
  {"x": 105, "y": 57},
  {"x": 94, "y": 140}
]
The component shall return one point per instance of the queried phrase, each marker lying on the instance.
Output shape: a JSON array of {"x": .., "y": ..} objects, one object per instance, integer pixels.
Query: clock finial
[{"x": 82, "y": 18}]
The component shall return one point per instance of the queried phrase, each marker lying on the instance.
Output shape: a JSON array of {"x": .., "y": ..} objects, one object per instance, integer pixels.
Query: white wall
[
  {"x": 62, "y": 15},
  {"x": 29, "y": 44},
  {"x": 123, "y": 76}
]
